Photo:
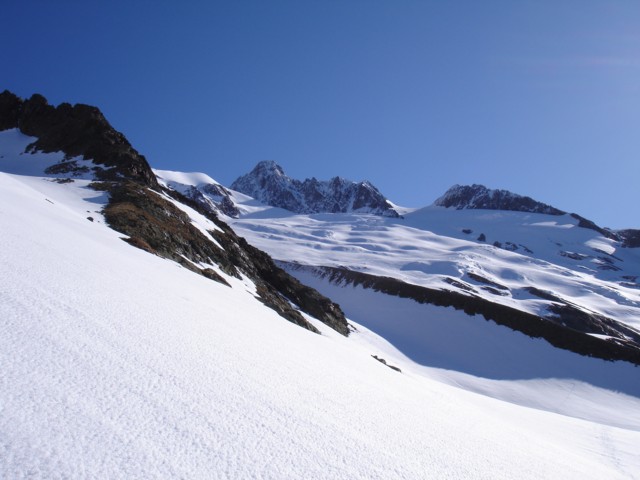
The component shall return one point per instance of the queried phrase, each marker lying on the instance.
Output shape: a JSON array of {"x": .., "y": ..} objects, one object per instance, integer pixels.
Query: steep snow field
[{"x": 119, "y": 364}]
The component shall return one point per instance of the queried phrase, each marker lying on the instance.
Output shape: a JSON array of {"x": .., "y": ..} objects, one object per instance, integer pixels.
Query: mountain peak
[
  {"x": 75, "y": 130},
  {"x": 480, "y": 197},
  {"x": 268, "y": 167},
  {"x": 268, "y": 183}
]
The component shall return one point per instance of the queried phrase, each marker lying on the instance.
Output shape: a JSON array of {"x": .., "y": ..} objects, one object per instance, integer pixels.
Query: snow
[
  {"x": 119, "y": 364},
  {"x": 196, "y": 179},
  {"x": 479, "y": 355},
  {"x": 182, "y": 182},
  {"x": 430, "y": 244},
  {"x": 15, "y": 159}
]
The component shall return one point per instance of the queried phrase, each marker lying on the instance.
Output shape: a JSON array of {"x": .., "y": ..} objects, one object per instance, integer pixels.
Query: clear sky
[{"x": 538, "y": 97}]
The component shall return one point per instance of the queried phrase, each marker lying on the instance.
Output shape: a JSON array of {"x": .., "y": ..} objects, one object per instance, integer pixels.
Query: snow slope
[
  {"x": 482, "y": 356},
  {"x": 119, "y": 364},
  {"x": 430, "y": 245}
]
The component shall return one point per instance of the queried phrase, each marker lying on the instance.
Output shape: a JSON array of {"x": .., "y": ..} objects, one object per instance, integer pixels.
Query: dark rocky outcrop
[
  {"x": 262, "y": 266},
  {"x": 384, "y": 362},
  {"x": 488, "y": 283},
  {"x": 213, "y": 198},
  {"x": 566, "y": 327},
  {"x": 155, "y": 224},
  {"x": 268, "y": 183},
  {"x": 579, "y": 319},
  {"x": 76, "y": 130},
  {"x": 585, "y": 223},
  {"x": 10, "y": 110},
  {"x": 630, "y": 238}
]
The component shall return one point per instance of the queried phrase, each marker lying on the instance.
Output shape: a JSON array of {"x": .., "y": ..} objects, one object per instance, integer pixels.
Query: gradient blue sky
[{"x": 538, "y": 97}]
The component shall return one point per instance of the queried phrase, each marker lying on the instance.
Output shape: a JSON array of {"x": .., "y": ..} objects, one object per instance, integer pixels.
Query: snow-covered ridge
[
  {"x": 202, "y": 189},
  {"x": 480, "y": 197},
  {"x": 268, "y": 183}
]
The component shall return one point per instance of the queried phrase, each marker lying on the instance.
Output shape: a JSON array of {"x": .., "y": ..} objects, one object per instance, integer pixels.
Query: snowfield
[
  {"x": 481, "y": 356},
  {"x": 119, "y": 364},
  {"x": 430, "y": 245}
]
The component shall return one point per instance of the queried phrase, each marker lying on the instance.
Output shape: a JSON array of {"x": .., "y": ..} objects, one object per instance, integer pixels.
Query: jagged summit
[
  {"x": 268, "y": 183},
  {"x": 480, "y": 197},
  {"x": 76, "y": 130},
  {"x": 269, "y": 167}
]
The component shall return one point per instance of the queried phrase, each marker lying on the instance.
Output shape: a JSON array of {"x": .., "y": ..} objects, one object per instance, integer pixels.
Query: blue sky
[{"x": 538, "y": 97}]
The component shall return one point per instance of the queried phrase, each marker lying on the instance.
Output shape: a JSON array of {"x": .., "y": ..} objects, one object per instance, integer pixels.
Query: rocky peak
[
  {"x": 630, "y": 237},
  {"x": 264, "y": 174},
  {"x": 268, "y": 183},
  {"x": 76, "y": 130},
  {"x": 268, "y": 167},
  {"x": 10, "y": 110},
  {"x": 480, "y": 197}
]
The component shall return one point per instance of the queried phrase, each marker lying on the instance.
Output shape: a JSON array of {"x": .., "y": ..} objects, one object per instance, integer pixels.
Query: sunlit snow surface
[
  {"x": 430, "y": 245},
  {"x": 119, "y": 364}
]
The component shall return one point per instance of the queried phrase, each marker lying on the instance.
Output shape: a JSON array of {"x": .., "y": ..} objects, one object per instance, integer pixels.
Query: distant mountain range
[{"x": 268, "y": 183}]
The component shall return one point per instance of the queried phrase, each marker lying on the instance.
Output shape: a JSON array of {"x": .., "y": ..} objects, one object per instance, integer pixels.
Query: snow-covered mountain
[
  {"x": 166, "y": 355},
  {"x": 268, "y": 183},
  {"x": 480, "y": 197},
  {"x": 581, "y": 293}
]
